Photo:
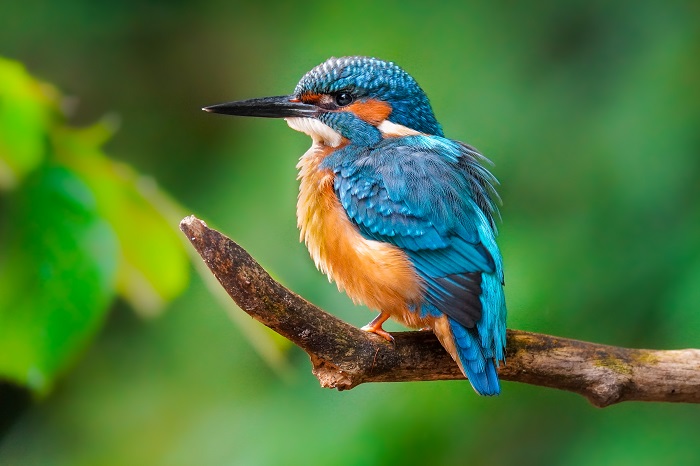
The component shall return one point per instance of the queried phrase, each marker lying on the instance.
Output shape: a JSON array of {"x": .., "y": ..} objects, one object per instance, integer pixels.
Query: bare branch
[{"x": 344, "y": 356}]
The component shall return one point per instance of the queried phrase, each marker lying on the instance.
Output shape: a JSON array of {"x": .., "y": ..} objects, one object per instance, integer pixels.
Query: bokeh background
[{"x": 590, "y": 111}]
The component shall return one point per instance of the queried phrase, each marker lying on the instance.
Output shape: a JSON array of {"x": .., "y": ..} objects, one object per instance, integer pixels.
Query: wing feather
[{"x": 430, "y": 197}]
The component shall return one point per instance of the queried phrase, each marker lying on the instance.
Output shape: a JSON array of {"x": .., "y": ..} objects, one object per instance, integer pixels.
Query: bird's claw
[{"x": 378, "y": 331}]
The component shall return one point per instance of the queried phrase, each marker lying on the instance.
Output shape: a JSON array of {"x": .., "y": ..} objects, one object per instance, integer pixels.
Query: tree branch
[{"x": 344, "y": 356}]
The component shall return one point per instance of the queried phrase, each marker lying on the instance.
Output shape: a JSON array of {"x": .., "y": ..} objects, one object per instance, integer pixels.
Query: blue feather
[
  {"x": 477, "y": 363},
  {"x": 429, "y": 197}
]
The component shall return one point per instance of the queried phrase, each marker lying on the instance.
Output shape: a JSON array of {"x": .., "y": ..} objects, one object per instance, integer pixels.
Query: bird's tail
[{"x": 464, "y": 345}]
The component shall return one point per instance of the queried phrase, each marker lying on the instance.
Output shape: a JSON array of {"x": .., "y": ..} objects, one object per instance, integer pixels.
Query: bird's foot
[
  {"x": 376, "y": 327},
  {"x": 378, "y": 331}
]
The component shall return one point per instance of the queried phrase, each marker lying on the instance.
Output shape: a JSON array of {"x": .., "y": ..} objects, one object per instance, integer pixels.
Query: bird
[{"x": 402, "y": 218}]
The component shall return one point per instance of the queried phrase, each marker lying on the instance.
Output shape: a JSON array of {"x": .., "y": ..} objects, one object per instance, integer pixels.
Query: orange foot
[{"x": 376, "y": 327}]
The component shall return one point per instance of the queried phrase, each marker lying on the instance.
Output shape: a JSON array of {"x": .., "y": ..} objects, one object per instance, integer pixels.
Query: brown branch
[{"x": 344, "y": 356}]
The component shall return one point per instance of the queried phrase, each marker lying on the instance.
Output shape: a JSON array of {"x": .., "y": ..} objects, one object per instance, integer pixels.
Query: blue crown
[{"x": 366, "y": 77}]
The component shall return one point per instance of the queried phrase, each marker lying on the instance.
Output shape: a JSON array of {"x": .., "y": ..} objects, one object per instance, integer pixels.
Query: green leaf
[
  {"x": 57, "y": 272},
  {"x": 25, "y": 105},
  {"x": 153, "y": 266}
]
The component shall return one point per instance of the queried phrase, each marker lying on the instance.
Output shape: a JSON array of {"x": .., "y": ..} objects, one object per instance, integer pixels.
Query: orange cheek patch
[
  {"x": 311, "y": 98},
  {"x": 372, "y": 111}
]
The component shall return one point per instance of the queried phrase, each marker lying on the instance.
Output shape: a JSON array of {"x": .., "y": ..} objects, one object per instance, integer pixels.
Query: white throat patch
[{"x": 320, "y": 132}]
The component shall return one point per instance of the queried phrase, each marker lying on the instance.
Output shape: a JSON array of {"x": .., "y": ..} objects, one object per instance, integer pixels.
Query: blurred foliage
[
  {"x": 590, "y": 111},
  {"x": 77, "y": 230}
]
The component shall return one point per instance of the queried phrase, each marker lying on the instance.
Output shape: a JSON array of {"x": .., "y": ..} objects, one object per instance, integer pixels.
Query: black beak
[{"x": 268, "y": 107}]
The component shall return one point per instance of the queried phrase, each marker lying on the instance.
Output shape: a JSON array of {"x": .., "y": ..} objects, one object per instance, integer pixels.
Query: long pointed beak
[{"x": 267, "y": 107}]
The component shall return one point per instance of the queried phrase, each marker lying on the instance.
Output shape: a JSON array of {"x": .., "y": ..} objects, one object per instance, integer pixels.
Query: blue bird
[{"x": 399, "y": 216}]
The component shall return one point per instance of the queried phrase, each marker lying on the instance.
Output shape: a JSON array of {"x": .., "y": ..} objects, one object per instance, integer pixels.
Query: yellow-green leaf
[
  {"x": 58, "y": 263},
  {"x": 153, "y": 265},
  {"x": 25, "y": 105}
]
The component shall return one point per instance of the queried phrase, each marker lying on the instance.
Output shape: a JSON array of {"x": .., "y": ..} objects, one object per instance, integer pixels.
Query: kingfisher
[{"x": 399, "y": 216}]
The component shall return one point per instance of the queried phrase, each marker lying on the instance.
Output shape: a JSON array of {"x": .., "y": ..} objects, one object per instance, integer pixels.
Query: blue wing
[{"x": 430, "y": 197}]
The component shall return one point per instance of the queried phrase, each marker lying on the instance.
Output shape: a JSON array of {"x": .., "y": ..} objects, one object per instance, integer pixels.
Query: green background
[{"x": 590, "y": 111}]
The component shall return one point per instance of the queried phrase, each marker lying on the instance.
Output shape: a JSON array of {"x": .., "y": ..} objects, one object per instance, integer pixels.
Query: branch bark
[{"x": 344, "y": 356}]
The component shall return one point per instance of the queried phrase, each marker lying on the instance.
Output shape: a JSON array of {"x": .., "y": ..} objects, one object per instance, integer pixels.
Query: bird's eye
[{"x": 343, "y": 98}]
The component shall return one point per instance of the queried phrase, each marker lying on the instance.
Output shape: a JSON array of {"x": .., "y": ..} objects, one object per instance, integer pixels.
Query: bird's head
[{"x": 357, "y": 98}]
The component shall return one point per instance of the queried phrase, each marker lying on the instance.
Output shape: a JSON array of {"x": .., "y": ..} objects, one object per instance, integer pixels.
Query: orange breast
[{"x": 370, "y": 272}]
